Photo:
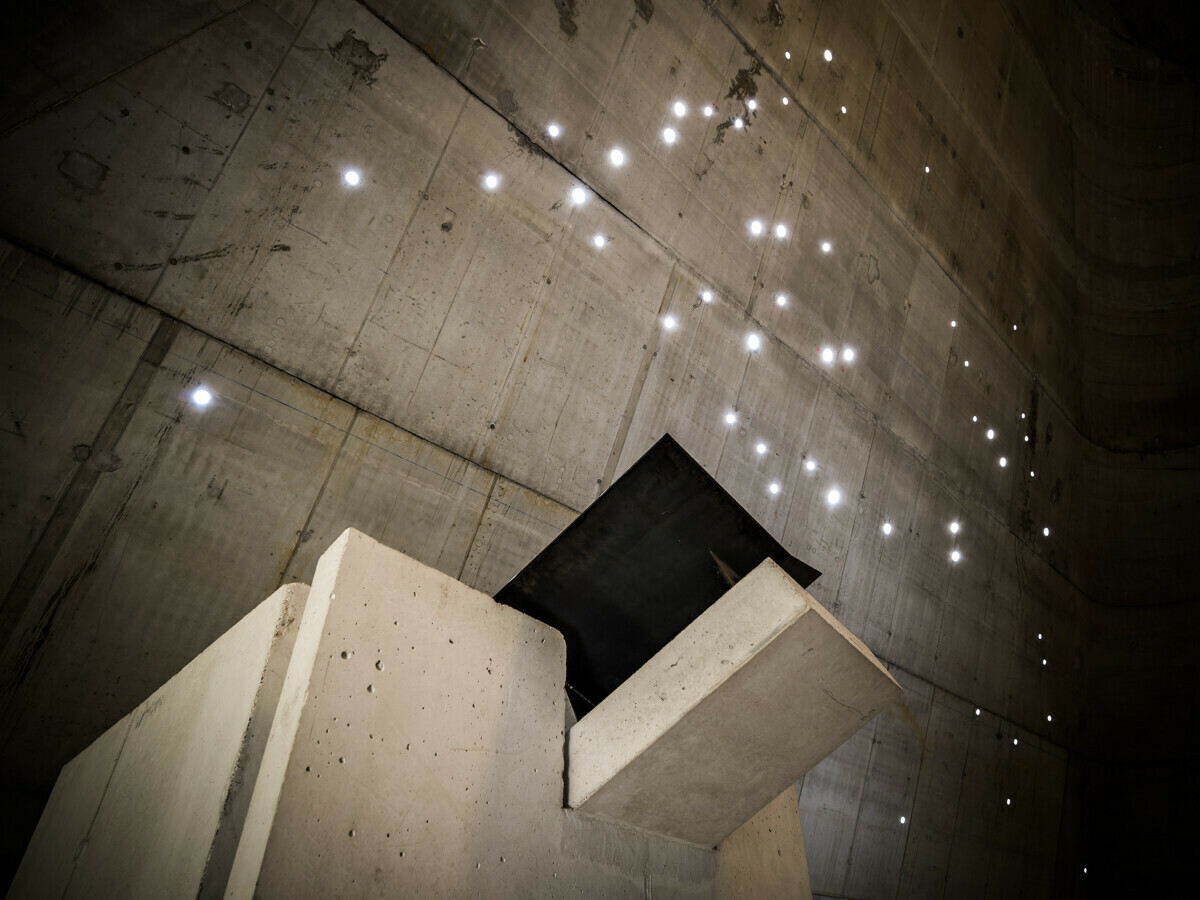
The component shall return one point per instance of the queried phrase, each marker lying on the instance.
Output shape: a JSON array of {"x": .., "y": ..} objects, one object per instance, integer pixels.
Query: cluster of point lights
[{"x": 578, "y": 196}]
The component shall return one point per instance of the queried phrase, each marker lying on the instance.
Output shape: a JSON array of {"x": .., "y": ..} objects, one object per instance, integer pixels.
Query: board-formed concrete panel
[
  {"x": 755, "y": 692},
  {"x": 154, "y": 808}
]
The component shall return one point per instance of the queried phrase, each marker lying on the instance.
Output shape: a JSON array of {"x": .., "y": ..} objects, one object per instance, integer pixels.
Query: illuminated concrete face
[
  {"x": 400, "y": 730},
  {"x": 702, "y": 735}
]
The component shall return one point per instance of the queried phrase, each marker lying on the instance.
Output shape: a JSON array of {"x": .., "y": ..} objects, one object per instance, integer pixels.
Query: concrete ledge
[
  {"x": 154, "y": 808},
  {"x": 755, "y": 692}
]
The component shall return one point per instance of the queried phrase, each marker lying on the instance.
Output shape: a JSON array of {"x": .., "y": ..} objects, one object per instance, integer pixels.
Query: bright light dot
[
  {"x": 1008, "y": 801},
  {"x": 599, "y": 240},
  {"x": 991, "y": 433},
  {"x": 967, "y": 362},
  {"x": 977, "y": 710},
  {"x": 1039, "y": 635},
  {"x": 669, "y": 135},
  {"x": 887, "y": 527},
  {"x": 787, "y": 54},
  {"x": 927, "y": 170},
  {"x": 679, "y": 108},
  {"x": 774, "y": 488},
  {"x": 827, "y": 355},
  {"x": 903, "y": 820},
  {"x": 760, "y": 448},
  {"x": 351, "y": 177},
  {"x": 828, "y": 56},
  {"x": 578, "y": 195},
  {"x": 974, "y": 418},
  {"x": 738, "y": 123},
  {"x": 670, "y": 323},
  {"x": 955, "y": 556},
  {"x": 1085, "y": 870},
  {"x": 953, "y": 323},
  {"x": 730, "y": 418},
  {"x": 834, "y": 497},
  {"x": 780, "y": 300},
  {"x": 708, "y": 111},
  {"x": 752, "y": 104},
  {"x": 201, "y": 396},
  {"x": 616, "y": 156},
  {"x": 753, "y": 341},
  {"x": 843, "y": 110},
  {"x": 848, "y": 354},
  {"x": 706, "y": 296},
  {"x": 1031, "y": 473},
  {"x": 785, "y": 101},
  {"x": 1045, "y": 532},
  {"x": 756, "y": 227},
  {"x": 1027, "y": 439},
  {"x": 810, "y": 466},
  {"x": 780, "y": 230},
  {"x": 1003, "y": 462},
  {"x": 491, "y": 182},
  {"x": 1049, "y": 718},
  {"x": 1043, "y": 662},
  {"x": 553, "y": 130},
  {"x": 826, "y": 247},
  {"x": 1014, "y": 328},
  {"x": 954, "y": 528},
  {"x": 1014, "y": 742}
]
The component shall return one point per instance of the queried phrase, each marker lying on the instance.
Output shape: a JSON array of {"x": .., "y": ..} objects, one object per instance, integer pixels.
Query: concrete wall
[
  {"x": 154, "y": 807},
  {"x": 459, "y": 372},
  {"x": 420, "y": 749}
]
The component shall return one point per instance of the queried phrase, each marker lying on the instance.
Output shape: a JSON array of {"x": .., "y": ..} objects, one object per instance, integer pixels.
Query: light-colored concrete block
[
  {"x": 754, "y": 693},
  {"x": 418, "y": 744},
  {"x": 418, "y": 749},
  {"x": 154, "y": 807},
  {"x": 765, "y": 858}
]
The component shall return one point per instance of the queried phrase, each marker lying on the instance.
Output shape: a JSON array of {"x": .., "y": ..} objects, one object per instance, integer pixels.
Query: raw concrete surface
[
  {"x": 418, "y": 748},
  {"x": 701, "y": 737},
  {"x": 154, "y": 808},
  {"x": 393, "y": 358}
]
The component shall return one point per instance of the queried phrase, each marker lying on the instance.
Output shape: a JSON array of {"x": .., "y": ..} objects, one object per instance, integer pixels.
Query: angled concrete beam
[{"x": 755, "y": 692}]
